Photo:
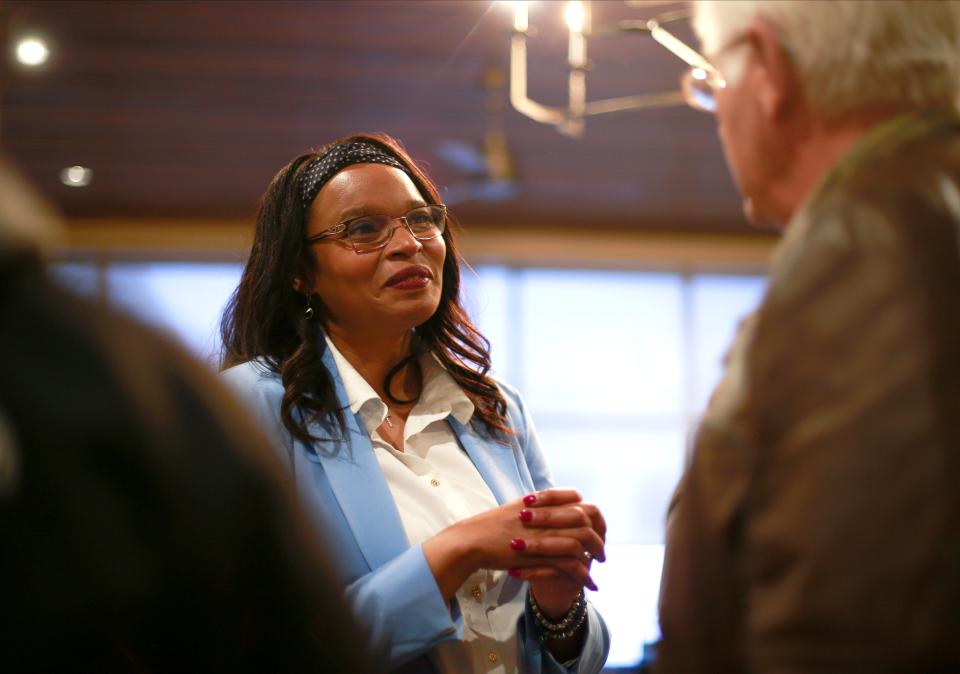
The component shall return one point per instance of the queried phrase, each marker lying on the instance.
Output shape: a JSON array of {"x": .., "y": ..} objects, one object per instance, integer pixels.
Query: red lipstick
[{"x": 410, "y": 278}]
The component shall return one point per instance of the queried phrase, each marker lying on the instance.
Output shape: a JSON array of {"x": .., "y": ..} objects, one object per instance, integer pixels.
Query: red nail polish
[
  {"x": 525, "y": 515},
  {"x": 514, "y": 572},
  {"x": 518, "y": 544},
  {"x": 529, "y": 499}
]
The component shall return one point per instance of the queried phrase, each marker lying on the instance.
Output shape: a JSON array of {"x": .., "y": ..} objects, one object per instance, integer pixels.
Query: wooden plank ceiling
[{"x": 187, "y": 109}]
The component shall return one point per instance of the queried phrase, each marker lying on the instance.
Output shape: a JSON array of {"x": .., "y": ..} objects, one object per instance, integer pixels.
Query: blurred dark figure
[
  {"x": 144, "y": 524},
  {"x": 817, "y": 527}
]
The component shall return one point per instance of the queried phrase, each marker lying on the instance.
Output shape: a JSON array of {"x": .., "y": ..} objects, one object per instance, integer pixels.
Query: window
[{"x": 616, "y": 368}]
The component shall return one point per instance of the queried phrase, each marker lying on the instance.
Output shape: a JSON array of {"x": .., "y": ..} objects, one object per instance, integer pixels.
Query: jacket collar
[{"x": 363, "y": 494}]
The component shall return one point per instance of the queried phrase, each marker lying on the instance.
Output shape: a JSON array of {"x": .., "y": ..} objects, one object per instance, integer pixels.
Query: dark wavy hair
[{"x": 264, "y": 318}]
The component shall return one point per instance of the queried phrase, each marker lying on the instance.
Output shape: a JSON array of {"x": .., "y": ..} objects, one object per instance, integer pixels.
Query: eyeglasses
[
  {"x": 370, "y": 232},
  {"x": 700, "y": 85},
  {"x": 701, "y": 82}
]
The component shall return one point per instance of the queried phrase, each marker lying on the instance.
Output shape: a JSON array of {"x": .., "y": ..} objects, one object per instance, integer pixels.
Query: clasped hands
[{"x": 549, "y": 538}]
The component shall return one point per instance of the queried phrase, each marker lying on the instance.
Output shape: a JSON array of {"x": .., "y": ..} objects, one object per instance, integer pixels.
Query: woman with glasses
[{"x": 424, "y": 473}]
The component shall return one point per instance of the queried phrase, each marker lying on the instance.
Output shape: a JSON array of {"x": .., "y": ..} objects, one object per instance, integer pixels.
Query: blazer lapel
[
  {"x": 359, "y": 486},
  {"x": 496, "y": 463}
]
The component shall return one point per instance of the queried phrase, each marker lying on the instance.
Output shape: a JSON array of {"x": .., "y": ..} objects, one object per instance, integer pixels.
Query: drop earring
[{"x": 308, "y": 313}]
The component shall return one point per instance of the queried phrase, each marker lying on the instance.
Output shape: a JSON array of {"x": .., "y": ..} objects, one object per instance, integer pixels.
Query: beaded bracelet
[{"x": 567, "y": 626}]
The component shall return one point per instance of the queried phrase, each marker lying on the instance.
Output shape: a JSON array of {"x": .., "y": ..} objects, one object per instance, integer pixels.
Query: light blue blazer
[{"x": 388, "y": 582}]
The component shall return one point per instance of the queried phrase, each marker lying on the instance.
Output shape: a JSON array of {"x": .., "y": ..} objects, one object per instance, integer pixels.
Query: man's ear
[{"x": 778, "y": 84}]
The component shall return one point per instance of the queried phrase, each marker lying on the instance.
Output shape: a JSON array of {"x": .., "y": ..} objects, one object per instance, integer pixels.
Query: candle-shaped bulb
[{"x": 575, "y": 16}]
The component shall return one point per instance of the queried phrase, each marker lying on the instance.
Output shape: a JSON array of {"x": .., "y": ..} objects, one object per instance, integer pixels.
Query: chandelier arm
[
  {"x": 570, "y": 119},
  {"x": 674, "y": 16},
  {"x": 677, "y": 47},
  {"x": 518, "y": 86},
  {"x": 638, "y": 102},
  {"x": 641, "y": 25},
  {"x": 577, "y": 76}
]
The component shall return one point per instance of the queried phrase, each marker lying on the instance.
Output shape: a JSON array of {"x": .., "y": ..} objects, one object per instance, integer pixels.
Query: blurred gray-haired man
[{"x": 817, "y": 527}]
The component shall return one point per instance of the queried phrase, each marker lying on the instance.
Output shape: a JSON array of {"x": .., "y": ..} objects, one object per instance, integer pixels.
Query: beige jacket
[{"x": 817, "y": 528}]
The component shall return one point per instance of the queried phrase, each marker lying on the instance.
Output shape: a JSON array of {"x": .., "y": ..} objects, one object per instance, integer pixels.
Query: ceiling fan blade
[
  {"x": 462, "y": 156},
  {"x": 480, "y": 190}
]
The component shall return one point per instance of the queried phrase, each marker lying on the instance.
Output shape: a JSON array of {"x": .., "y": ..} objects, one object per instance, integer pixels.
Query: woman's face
[{"x": 391, "y": 289}]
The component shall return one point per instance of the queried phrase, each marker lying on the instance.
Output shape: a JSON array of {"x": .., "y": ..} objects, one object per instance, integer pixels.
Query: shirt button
[
  {"x": 492, "y": 657},
  {"x": 435, "y": 482},
  {"x": 476, "y": 592}
]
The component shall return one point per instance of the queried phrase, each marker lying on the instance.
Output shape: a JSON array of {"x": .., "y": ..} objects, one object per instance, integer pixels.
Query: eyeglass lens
[
  {"x": 370, "y": 231},
  {"x": 699, "y": 92}
]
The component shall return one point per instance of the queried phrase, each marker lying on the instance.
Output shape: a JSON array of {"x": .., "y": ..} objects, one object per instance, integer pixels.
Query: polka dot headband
[{"x": 328, "y": 165}]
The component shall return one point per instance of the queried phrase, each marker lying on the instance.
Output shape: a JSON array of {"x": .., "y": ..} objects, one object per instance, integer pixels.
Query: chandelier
[{"x": 569, "y": 120}]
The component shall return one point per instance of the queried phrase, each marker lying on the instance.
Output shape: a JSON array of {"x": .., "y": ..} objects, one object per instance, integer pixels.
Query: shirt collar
[{"x": 440, "y": 394}]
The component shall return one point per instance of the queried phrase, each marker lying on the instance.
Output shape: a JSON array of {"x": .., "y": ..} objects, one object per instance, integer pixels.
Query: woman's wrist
[
  {"x": 450, "y": 556},
  {"x": 552, "y": 607},
  {"x": 562, "y": 627}
]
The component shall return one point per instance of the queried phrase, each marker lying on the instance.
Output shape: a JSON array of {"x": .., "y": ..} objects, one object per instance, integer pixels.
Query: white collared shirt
[{"x": 435, "y": 484}]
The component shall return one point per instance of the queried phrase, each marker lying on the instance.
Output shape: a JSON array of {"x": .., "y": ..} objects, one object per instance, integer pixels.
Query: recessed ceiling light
[
  {"x": 76, "y": 176},
  {"x": 32, "y": 51}
]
